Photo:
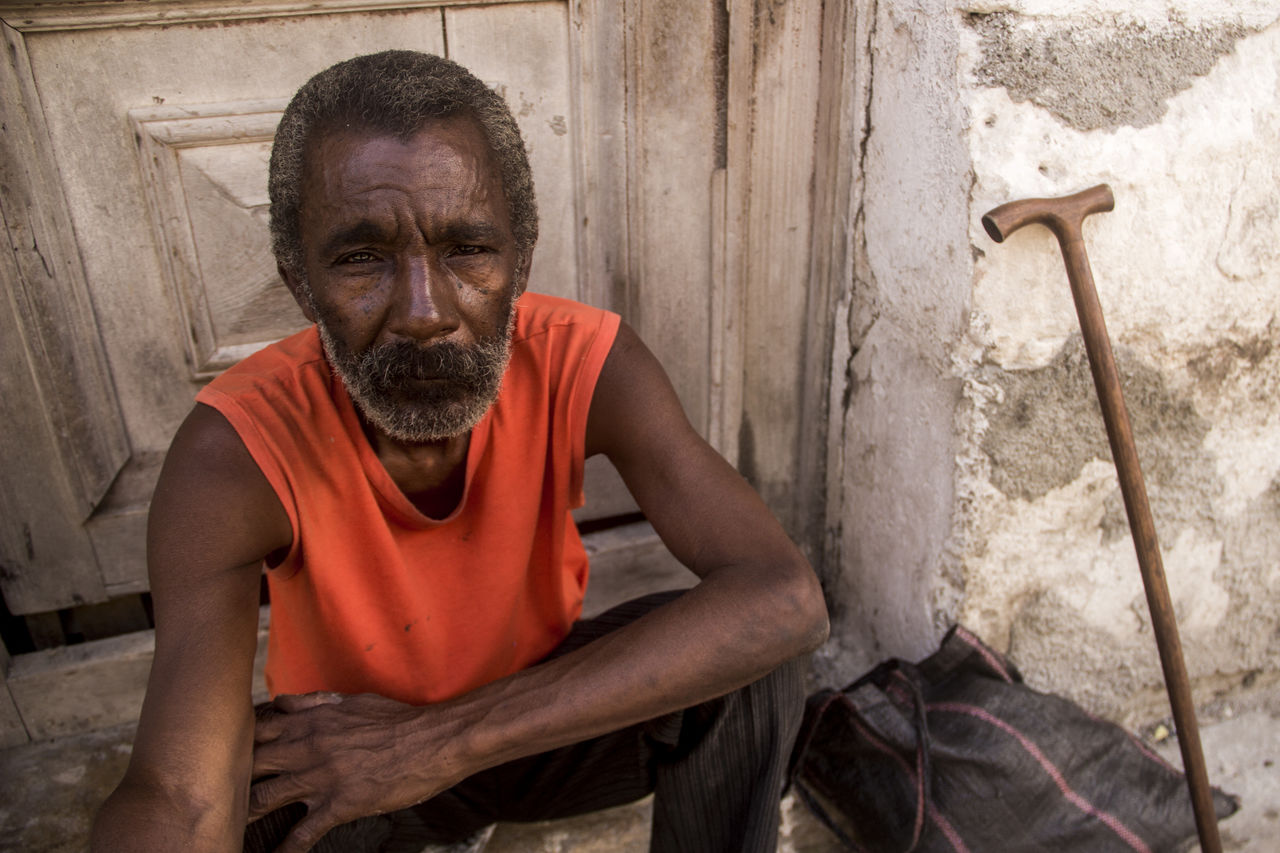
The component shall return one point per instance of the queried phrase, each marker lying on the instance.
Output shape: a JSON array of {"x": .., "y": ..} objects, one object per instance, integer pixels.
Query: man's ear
[
  {"x": 299, "y": 291},
  {"x": 523, "y": 263}
]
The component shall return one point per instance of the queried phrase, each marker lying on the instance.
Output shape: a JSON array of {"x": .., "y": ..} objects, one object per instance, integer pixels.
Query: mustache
[
  {"x": 406, "y": 360},
  {"x": 393, "y": 364}
]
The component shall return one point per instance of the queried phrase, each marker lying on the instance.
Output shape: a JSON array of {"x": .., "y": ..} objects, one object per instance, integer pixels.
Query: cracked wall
[
  {"x": 909, "y": 300},
  {"x": 1115, "y": 74},
  {"x": 1179, "y": 112},
  {"x": 977, "y": 480}
]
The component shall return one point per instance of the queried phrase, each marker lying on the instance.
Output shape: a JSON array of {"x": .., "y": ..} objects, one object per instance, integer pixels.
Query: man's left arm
[
  {"x": 758, "y": 602},
  {"x": 757, "y": 605}
]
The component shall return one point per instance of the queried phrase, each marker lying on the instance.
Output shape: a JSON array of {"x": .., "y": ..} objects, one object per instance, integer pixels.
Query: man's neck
[{"x": 431, "y": 474}]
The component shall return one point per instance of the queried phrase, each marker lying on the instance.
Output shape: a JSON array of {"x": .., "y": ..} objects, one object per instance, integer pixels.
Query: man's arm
[
  {"x": 213, "y": 519},
  {"x": 758, "y": 605}
]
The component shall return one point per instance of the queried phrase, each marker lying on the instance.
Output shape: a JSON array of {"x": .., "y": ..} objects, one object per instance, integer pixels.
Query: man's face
[{"x": 412, "y": 273}]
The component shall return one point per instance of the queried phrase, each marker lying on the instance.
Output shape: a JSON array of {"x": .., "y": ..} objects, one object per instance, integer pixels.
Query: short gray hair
[{"x": 393, "y": 92}]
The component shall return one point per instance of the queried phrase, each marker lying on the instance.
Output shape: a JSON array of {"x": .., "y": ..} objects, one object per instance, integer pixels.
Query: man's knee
[{"x": 776, "y": 701}]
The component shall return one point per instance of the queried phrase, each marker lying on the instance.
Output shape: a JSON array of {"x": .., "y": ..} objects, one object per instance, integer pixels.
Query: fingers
[
  {"x": 271, "y": 719},
  {"x": 274, "y": 792},
  {"x": 306, "y": 834},
  {"x": 291, "y": 703},
  {"x": 269, "y": 758}
]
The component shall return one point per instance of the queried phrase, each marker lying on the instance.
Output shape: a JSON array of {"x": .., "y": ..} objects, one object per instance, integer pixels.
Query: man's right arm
[{"x": 214, "y": 518}]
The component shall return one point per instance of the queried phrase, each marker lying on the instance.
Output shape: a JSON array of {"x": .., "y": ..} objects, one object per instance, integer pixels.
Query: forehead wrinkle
[{"x": 439, "y": 187}]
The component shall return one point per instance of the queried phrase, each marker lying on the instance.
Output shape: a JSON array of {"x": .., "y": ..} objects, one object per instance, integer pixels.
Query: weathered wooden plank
[
  {"x": 121, "y": 539},
  {"x": 606, "y": 495},
  {"x": 835, "y": 205},
  {"x": 205, "y": 174},
  {"x": 523, "y": 50},
  {"x": 79, "y": 688},
  {"x": 628, "y": 562},
  {"x": 118, "y": 530},
  {"x": 674, "y": 158},
  {"x": 211, "y": 123},
  {"x": 723, "y": 392},
  {"x": 46, "y": 560},
  {"x": 78, "y": 15},
  {"x": 12, "y": 731},
  {"x": 598, "y": 74},
  {"x": 94, "y": 685},
  {"x": 731, "y": 262},
  {"x": 782, "y": 116},
  {"x": 49, "y": 296}
]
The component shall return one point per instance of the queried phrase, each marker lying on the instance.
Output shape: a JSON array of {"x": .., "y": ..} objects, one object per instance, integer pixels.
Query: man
[{"x": 413, "y": 515}]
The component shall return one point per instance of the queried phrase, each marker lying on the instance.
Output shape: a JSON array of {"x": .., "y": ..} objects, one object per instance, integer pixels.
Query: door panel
[
  {"x": 90, "y": 80},
  {"x": 204, "y": 171},
  {"x": 63, "y": 439},
  {"x": 523, "y": 52}
]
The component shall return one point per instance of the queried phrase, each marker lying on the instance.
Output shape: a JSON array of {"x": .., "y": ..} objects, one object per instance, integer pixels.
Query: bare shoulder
[
  {"x": 634, "y": 403},
  {"x": 212, "y": 501}
]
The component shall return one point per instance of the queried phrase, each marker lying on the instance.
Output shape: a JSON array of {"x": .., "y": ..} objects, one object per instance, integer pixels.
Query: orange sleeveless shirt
[{"x": 375, "y": 597}]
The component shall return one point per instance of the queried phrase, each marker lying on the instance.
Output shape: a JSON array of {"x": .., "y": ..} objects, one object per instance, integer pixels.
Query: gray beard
[{"x": 384, "y": 381}]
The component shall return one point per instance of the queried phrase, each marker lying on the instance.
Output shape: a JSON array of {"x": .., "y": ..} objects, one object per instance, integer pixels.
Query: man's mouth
[{"x": 424, "y": 380}]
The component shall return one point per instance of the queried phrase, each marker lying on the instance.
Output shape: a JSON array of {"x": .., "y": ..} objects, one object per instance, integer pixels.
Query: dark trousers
[{"x": 716, "y": 769}]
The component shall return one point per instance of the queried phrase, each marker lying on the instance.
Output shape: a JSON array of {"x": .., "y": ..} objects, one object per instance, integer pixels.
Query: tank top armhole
[
  {"x": 584, "y": 386},
  {"x": 260, "y": 450}
]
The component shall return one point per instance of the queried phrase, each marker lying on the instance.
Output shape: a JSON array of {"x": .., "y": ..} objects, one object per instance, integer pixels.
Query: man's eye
[
  {"x": 466, "y": 250},
  {"x": 358, "y": 258}
]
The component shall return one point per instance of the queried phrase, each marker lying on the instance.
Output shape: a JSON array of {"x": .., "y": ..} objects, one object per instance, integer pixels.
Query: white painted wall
[{"x": 977, "y": 484}]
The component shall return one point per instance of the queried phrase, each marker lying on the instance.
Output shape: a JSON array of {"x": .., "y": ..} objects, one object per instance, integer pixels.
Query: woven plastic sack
[{"x": 957, "y": 754}]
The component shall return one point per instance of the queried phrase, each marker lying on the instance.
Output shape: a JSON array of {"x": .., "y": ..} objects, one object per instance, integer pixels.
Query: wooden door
[{"x": 135, "y": 138}]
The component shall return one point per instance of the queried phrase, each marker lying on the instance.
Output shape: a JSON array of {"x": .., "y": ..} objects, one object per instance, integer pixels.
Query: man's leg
[
  {"x": 719, "y": 787},
  {"x": 717, "y": 769}
]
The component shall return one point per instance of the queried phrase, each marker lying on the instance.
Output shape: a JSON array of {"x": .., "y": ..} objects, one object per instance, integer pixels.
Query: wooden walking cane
[{"x": 1064, "y": 216}]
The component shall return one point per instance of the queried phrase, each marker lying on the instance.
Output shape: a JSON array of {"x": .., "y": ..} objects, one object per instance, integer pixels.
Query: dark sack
[{"x": 957, "y": 754}]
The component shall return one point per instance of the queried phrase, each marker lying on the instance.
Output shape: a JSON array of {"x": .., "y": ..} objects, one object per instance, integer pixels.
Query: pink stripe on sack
[
  {"x": 1075, "y": 799},
  {"x": 976, "y": 644},
  {"x": 1137, "y": 741},
  {"x": 1146, "y": 750},
  {"x": 918, "y": 824},
  {"x": 904, "y": 696},
  {"x": 942, "y": 823},
  {"x": 948, "y": 830}
]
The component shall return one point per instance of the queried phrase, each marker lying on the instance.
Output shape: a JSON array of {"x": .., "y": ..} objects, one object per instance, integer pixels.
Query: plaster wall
[
  {"x": 977, "y": 480},
  {"x": 907, "y": 308}
]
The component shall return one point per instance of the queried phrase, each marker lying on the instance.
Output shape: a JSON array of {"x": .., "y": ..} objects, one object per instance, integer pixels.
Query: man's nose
[{"x": 426, "y": 297}]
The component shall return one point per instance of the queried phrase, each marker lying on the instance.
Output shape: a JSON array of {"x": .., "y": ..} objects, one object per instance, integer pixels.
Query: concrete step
[{"x": 50, "y": 791}]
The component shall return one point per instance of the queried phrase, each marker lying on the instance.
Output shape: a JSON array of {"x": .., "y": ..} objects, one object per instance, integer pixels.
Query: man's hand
[{"x": 347, "y": 757}]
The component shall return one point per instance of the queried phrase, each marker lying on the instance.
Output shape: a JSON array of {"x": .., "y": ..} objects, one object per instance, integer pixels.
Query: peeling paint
[
  {"x": 1049, "y": 425},
  {"x": 1051, "y": 575},
  {"x": 1105, "y": 76}
]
